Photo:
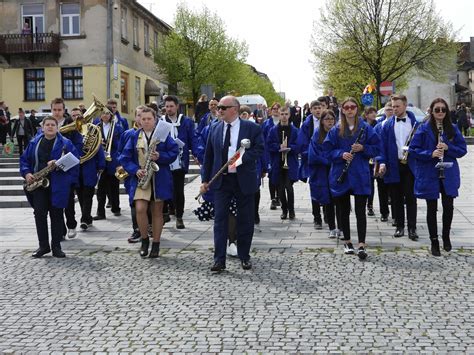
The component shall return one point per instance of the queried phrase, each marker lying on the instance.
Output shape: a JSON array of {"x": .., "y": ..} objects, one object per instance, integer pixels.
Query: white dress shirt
[
  {"x": 315, "y": 122},
  {"x": 234, "y": 137},
  {"x": 402, "y": 131},
  {"x": 106, "y": 128}
]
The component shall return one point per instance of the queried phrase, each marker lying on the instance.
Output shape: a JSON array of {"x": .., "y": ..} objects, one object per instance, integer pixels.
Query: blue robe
[
  {"x": 163, "y": 180},
  {"x": 357, "y": 179},
  {"x": 304, "y": 138},
  {"x": 273, "y": 144},
  {"x": 318, "y": 166},
  {"x": 60, "y": 181},
  {"x": 427, "y": 182}
]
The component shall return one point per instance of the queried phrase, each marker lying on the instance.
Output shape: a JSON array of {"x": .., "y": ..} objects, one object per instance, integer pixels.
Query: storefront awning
[{"x": 151, "y": 89}]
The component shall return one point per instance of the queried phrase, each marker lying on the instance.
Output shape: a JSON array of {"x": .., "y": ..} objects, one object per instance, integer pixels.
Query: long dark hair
[
  {"x": 447, "y": 123},
  {"x": 344, "y": 130},
  {"x": 322, "y": 131}
]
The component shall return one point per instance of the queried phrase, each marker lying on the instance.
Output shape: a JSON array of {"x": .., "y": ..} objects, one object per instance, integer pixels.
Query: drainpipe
[{"x": 109, "y": 55}]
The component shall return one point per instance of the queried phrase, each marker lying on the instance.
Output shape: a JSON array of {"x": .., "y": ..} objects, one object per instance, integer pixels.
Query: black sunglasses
[
  {"x": 440, "y": 109},
  {"x": 223, "y": 108}
]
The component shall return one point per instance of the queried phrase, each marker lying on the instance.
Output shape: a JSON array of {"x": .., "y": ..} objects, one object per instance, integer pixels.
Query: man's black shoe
[
  {"x": 58, "y": 253},
  {"x": 98, "y": 218},
  {"x": 273, "y": 205},
  {"x": 117, "y": 214},
  {"x": 370, "y": 211},
  {"x": 292, "y": 215},
  {"x": 412, "y": 234},
  {"x": 246, "y": 264},
  {"x": 284, "y": 215},
  {"x": 257, "y": 219},
  {"x": 179, "y": 223},
  {"x": 217, "y": 267},
  {"x": 384, "y": 218},
  {"x": 40, "y": 252},
  {"x": 318, "y": 224},
  {"x": 400, "y": 232}
]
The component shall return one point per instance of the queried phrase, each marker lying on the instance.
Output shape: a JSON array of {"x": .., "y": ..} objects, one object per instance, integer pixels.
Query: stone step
[
  {"x": 13, "y": 196},
  {"x": 11, "y": 180},
  {"x": 9, "y": 160},
  {"x": 9, "y": 172},
  {"x": 9, "y": 165}
]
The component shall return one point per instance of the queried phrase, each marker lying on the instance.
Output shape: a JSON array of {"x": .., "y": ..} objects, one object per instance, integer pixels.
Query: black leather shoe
[
  {"x": 58, "y": 253},
  {"x": 447, "y": 243},
  {"x": 400, "y": 232},
  {"x": 412, "y": 234},
  {"x": 435, "y": 247},
  {"x": 318, "y": 224},
  {"x": 246, "y": 264},
  {"x": 144, "y": 247},
  {"x": 155, "y": 250},
  {"x": 370, "y": 211},
  {"x": 284, "y": 215},
  {"x": 179, "y": 223},
  {"x": 117, "y": 214},
  {"x": 217, "y": 267},
  {"x": 98, "y": 218},
  {"x": 384, "y": 218},
  {"x": 40, "y": 252},
  {"x": 292, "y": 215}
]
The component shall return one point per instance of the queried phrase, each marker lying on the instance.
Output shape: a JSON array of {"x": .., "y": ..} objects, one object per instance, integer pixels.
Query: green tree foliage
[
  {"x": 198, "y": 51},
  {"x": 386, "y": 40}
]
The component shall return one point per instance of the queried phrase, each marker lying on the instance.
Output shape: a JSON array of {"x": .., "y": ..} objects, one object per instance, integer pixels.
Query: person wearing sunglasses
[
  {"x": 397, "y": 167},
  {"x": 272, "y": 120},
  {"x": 237, "y": 182},
  {"x": 438, "y": 139},
  {"x": 319, "y": 166},
  {"x": 349, "y": 146}
]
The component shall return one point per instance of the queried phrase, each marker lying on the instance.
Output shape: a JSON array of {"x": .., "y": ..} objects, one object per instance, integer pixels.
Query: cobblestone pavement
[
  {"x": 292, "y": 302},
  {"x": 303, "y": 294}
]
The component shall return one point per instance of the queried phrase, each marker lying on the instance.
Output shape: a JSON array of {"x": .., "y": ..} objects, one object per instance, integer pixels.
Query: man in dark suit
[{"x": 240, "y": 182}]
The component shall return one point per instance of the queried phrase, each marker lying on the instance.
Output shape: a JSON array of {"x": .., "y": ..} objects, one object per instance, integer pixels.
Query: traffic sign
[
  {"x": 386, "y": 88},
  {"x": 367, "y": 99}
]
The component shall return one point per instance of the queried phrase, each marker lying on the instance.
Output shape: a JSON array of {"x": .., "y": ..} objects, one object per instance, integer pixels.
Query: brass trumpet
[
  {"x": 284, "y": 155},
  {"x": 120, "y": 173},
  {"x": 109, "y": 142}
]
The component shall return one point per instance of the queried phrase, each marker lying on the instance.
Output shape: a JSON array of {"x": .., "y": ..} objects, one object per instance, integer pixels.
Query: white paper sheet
[
  {"x": 162, "y": 130},
  {"x": 67, "y": 162}
]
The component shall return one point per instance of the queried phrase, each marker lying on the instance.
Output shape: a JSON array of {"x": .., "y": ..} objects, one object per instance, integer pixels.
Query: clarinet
[
  {"x": 342, "y": 177},
  {"x": 440, "y": 140}
]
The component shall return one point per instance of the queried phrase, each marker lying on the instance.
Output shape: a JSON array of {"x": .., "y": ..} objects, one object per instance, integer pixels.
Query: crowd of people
[{"x": 339, "y": 150}]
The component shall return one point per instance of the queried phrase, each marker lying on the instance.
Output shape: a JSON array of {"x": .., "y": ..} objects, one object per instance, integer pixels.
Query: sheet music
[
  {"x": 67, "y": 162},
  {"x": 162, "y": 130}
]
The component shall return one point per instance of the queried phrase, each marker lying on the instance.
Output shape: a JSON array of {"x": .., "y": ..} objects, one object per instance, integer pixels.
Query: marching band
[{"x": 338, "y": 154}]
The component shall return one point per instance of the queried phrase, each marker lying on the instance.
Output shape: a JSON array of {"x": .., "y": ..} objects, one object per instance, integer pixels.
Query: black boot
[
  {"x": 435, "y": 246},
  {"x": 155, "y": 250},
  {"x": 144, "y": 247},
  {"x": 447, "y": 242}
]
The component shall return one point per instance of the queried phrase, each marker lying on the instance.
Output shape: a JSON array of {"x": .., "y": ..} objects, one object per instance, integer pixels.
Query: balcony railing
[{"x": 29, "y": 43}]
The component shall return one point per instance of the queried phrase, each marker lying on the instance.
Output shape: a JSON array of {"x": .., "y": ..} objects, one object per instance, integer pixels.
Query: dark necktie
[
  {"x": 225, "y": 148},
  {"x": 401, "y": 119}
]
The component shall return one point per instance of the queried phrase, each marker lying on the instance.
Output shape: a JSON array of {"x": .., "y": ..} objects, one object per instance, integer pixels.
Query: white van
[{"x": 252, "y": 101}]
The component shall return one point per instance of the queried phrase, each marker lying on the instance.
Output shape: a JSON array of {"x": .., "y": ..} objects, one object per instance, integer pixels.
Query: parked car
[{"x": 419, "y": 114}]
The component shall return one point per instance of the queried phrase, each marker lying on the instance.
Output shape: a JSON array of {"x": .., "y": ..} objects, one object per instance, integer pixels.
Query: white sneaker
[
  {"x": 339, "y": 233},
  {"x": 71, "y": 234},
  {"x": 232, "y": 250},
  {"x": 333, "y": 234}
]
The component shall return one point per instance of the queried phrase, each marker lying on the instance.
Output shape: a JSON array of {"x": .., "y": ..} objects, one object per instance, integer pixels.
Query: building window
[
  {"x": 34, "y": 84},
  {"x": 135, "y": 32},
  {"x": 138, "y": 90},
  {"x": 124, "y": 92},
  {"x": 34, "y": 16},
  {"x": 72, "y": 87},
  {"x": 155, "y": 40},
  {"x": 70, "y": 19},
  {"x": 146, "y": 36},
  {"x": 123, "y": 21}
]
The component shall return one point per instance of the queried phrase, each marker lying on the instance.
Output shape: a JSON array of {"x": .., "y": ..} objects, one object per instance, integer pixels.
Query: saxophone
[
  {"x": 150, "y": 166},
  {"x": 41, "y": 179}
]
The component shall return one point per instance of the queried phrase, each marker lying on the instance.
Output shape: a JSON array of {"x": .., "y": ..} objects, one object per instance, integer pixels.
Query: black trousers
[
  {"x": 286, "y": 192},
  {"x": 257, "y": 202},
  {"x": 108, "y": 185},
  {"x": 383, "y": 197},
  {"x": 403, "y": 193},
  {"x": 22, "y": 143},
  {"x": 273, "y": 190},
  {"x": 370, "y": 199},
  {"x": 431, "y": 218},
  {"x": 332, "y": 213},
  {"x": 343, "y": 203},
  {"x": 178, "y": 192},
  {"x": 70, "y": 213},
  {"x": 42, "y": 205},
  {"x": 316, "y": 210},
  {"x": 85, "y": 194}
]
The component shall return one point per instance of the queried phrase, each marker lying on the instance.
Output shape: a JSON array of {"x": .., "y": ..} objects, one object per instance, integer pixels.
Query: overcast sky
[{"x": 268, "y": 26}]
